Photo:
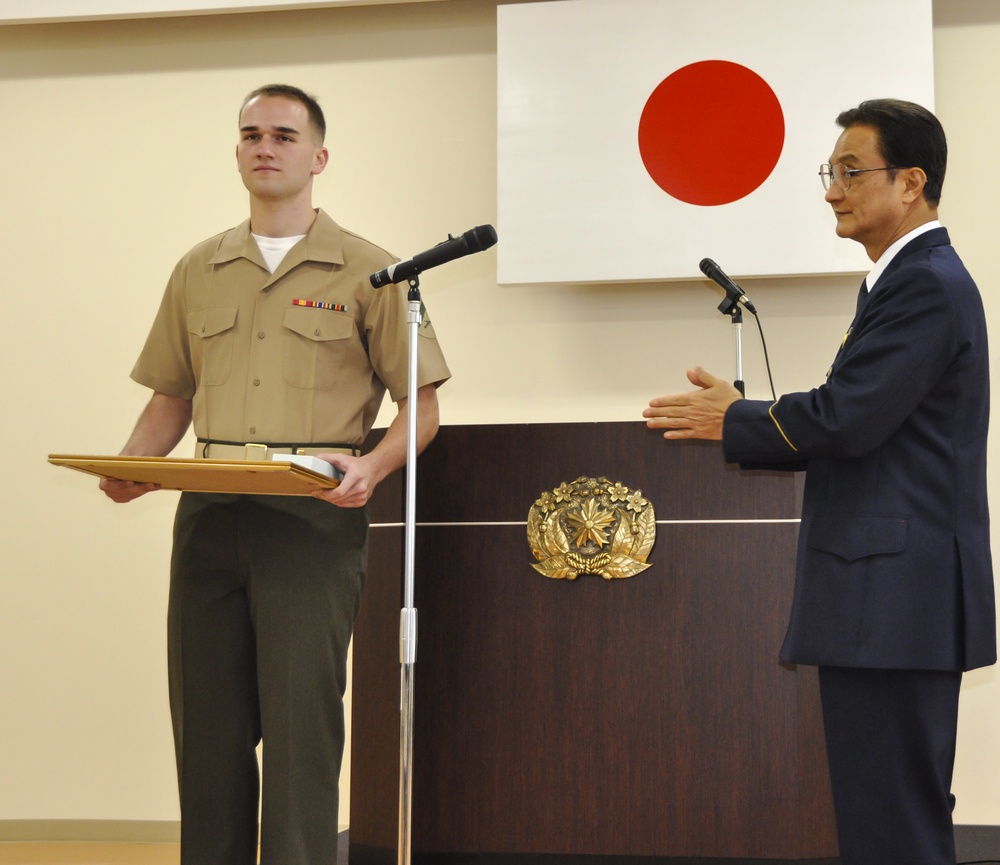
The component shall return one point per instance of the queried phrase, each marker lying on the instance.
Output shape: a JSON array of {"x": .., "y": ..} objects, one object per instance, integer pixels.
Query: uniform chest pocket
[
  {"x": 319, "y": 344},
  {"x": 211, "y": 338}
]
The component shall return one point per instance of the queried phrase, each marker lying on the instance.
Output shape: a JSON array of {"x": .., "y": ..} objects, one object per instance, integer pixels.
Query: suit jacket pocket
[{"x": 857, "y": 536}]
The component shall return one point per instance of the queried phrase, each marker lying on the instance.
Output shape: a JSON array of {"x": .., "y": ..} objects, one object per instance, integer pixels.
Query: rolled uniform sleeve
[
  {"x": 164, "y": 365},
  {"x": 387, "y": 329}
]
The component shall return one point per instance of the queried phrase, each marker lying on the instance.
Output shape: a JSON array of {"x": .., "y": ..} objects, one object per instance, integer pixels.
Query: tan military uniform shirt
[{"x": 261, "y": 363}]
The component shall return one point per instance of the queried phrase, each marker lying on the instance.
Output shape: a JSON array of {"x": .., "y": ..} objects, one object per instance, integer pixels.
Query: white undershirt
[
  {"x": 274, "y": 249},
  {"x": 886, "y": 257}
]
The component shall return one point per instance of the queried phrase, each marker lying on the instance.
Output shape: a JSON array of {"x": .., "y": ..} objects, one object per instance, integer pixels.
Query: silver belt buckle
[{"x": 255, "y": 451}]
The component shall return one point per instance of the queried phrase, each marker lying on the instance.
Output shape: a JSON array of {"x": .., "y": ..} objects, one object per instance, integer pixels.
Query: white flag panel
[{"x": 576, "y": 201}]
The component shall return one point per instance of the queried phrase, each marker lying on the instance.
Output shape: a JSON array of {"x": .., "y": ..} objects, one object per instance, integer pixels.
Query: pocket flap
[
  {"x": 211, "y": 320},
  {"x": 319, "y": 324},
  {"x": 856, "y": 536}
]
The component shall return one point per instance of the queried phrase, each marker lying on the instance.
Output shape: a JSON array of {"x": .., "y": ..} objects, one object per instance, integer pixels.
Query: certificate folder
[{"x": 260, "y": 477}]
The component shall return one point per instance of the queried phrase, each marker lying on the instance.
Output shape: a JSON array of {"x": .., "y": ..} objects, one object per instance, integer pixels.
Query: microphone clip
[{"x": 730, "y": 306}]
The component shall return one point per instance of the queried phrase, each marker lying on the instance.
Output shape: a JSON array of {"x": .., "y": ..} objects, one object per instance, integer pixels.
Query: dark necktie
[{"x": 862, "y": 297}]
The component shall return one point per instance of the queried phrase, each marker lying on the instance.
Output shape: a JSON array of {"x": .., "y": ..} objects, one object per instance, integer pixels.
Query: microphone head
[
  {"x": 707, "y": 266},
  {"x": 481, "y": 237}
]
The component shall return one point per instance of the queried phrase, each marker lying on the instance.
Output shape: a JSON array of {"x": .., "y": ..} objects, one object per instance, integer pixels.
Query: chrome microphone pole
[
  {"x": 730, "y": 306},
  {"x": 477, "y": 239},
  {"x": 408, "y": 615}
]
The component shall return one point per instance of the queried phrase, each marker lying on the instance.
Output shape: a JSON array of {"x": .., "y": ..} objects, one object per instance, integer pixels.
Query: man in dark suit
[{"x": 894, "y": 590}]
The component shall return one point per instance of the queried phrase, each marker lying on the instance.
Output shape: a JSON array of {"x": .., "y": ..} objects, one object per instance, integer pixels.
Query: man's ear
[
  {"x": 914, "y": 179},
  {"x": 322, "y": 158}
]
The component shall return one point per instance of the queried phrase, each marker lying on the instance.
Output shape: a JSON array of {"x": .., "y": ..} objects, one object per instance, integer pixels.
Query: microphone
[
  {"x": 474, "y": 240},
  {"x": 718, "y": 276}
]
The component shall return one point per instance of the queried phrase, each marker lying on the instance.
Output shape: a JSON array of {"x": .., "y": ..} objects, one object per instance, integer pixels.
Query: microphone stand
[
  {"x": 730, "y": 307},
  {"x": 408, "y": 615}
]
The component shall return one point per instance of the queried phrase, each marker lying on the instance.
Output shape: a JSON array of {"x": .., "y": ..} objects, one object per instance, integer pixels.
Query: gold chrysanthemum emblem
[{"x": 591, "y": 526}]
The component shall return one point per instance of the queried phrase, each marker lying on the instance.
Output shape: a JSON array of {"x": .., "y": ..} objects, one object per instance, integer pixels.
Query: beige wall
[{"x": 118, "y": 155}]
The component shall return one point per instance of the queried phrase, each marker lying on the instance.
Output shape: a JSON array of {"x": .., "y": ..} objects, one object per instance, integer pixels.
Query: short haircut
[
  {"x": 296, "y": 95},
  {"x": 909, "y": 136}
]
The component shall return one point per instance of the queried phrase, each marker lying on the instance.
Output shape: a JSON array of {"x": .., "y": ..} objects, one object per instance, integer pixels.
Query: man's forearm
[
  {"x": 390, "y": 453},
  {"x": 160, "y": 427}
]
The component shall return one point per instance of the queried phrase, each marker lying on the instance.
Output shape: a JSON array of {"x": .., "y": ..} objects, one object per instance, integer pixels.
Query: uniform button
[
  {"x": 253, "y": 430},
  {"x": 203, "y": 328},
  {"x": 256, "y": 382},
  {"x": 260, "y": 334},
  {"x": 317, "y": 332}
]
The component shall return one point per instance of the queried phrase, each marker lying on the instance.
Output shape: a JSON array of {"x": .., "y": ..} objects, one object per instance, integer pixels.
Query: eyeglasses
[{"x": 841, "y": 174}]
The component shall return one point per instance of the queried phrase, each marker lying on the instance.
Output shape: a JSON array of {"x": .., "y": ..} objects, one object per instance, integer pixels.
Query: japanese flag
[{"x": 638, "y": 136}]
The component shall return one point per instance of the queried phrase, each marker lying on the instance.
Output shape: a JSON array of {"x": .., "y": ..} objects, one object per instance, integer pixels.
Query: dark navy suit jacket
[{"x": 894, "y": 567}]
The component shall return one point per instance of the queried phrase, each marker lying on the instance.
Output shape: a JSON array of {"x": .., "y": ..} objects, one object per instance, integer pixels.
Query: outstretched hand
[{"x": 696, "y": 414}]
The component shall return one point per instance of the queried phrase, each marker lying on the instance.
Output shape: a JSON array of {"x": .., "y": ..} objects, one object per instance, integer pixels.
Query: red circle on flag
[{"x": 711, "y": 132}]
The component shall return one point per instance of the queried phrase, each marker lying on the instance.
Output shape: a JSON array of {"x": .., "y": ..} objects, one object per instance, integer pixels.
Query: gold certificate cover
[{"x": 261, "y": 477}]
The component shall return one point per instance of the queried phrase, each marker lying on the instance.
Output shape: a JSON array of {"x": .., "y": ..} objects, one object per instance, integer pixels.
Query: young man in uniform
[{"x": 270, "y": 339}]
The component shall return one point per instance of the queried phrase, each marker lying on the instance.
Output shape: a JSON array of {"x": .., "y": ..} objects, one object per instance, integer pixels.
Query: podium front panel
[{"x": 638, "y": 717}]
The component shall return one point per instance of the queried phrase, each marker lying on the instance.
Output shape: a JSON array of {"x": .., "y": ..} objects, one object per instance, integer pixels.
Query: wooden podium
[{"x": 555, "y": 719}]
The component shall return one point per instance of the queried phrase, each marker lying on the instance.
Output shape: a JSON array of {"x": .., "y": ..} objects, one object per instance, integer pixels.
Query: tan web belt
[{"x": 216, "y": 450}]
